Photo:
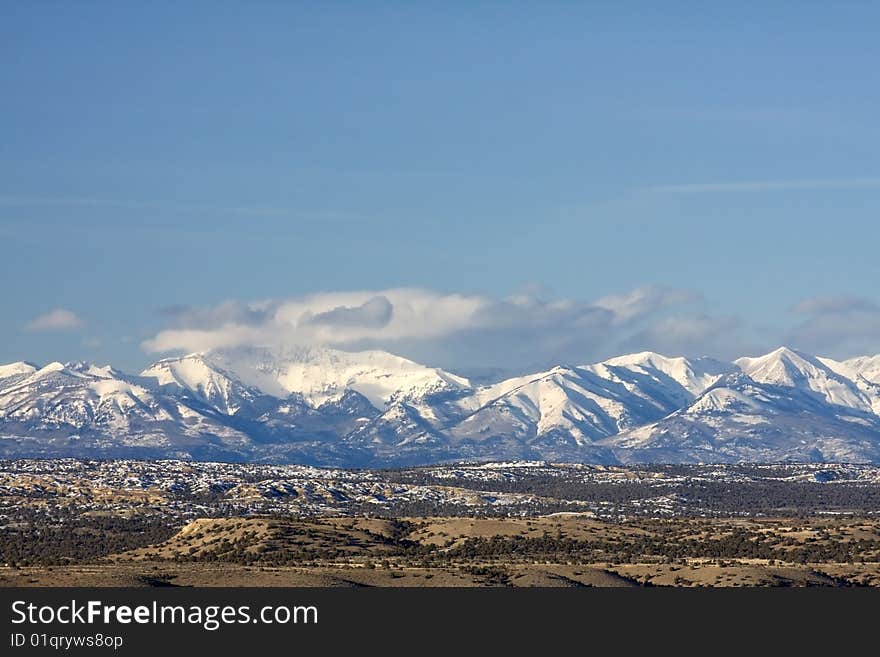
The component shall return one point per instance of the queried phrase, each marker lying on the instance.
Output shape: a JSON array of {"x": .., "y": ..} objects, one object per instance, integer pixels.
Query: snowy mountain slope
[
  {"x": 78, "y": 406},
  {"x": 740, "y": 419},
  {"x": 319, "y": 375},
  {"x": 786, "y": 367},
  {"x": 400, "y": 427},
  {"x": 183, "y": 407},
  {"x": 16, "y": 369},
  {"x": 693, "y": 375},
  {"x": 203, "y": 379},
  {"x": 373, "y": 408},
  {"x": 864, "y": 373},
  {"x": 587, "y": 402},
  {"x": 864, "y": 367},
  {"x": 572, "y": 400}
]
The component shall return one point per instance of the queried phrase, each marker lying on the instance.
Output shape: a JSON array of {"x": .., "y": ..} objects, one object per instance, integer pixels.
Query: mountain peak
[
  {"x": 90, "y": 369},
  {"x": 790, "y": 368},
  {"x": 693, "y": 375},
  {"x": 319, "y": 374},
  {"x": 641, "y": 358},
  {"x": 781, "y": 364},
  {"x": 48, "y": 368},
  {"x": 865, "y": 368},
  {"x": 14, "y": 369},
  {"x": 788, "y": 352}
]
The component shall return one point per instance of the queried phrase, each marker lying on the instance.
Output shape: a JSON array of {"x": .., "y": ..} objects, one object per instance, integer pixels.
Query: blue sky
[{"x": 158, "y": 163}]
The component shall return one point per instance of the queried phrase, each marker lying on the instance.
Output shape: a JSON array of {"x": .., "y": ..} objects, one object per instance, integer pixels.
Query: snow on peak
[
  {"x": 782, "y": 366},
  {"x": 50, "y": 368},
  {"x": 695, "y": 375},
  {"x": 318, "y": 374},
  {"x": 322, "y": 374},
  {"x": 15, "y": 369},
  {"x": 791, "y": 368},
  {"x": 781, "y": 355},
  {"x": 97, "y": 371},
  {"x": 75, "y": 369},
  {"x": 189, "y": 371},
  {"x": 651, "y": 358},
  {"x": 776, "y": 406},
  {"x": 197, "y": 374},
  {"x": 863, "y": 367}
]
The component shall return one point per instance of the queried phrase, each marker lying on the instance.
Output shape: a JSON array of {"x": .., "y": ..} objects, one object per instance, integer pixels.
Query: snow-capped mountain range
[{"x": 327, "y": 407}]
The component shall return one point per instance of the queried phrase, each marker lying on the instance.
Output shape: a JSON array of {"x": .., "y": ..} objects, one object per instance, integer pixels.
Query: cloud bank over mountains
[
  {"x": 464, "y": 331},
  {"x": 455, "y": 330},
  {"x": 843, "y": 324}
]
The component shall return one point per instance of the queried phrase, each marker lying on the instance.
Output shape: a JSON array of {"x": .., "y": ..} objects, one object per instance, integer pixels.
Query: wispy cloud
[
  {"x": 59, "y": 319},
  {"x": 747, "y": 186}
]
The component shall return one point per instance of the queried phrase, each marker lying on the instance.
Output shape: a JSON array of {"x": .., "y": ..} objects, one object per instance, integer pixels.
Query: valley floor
[
  {"x": 696, "y": 574},
  {"x": 177, "y": 523}
]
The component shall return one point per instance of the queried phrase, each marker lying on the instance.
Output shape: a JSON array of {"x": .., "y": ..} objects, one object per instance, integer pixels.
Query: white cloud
[
  {"x": 699, "y": 335},
  {"x": 835, "y": 305},
  {"x": 328, "y": 318},
  {"x": 838, "y": 326},
  {"x": 644, "y": 300},
  {"x": 59, "y": 319},
  {"x": 457, "y": 331}
]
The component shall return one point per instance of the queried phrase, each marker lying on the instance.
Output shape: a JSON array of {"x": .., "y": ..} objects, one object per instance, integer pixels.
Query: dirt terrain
[{"x": 558, "y": 550}]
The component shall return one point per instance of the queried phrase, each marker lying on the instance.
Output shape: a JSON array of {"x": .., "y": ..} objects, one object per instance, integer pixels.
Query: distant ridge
[{"x": 329, "y": 407}]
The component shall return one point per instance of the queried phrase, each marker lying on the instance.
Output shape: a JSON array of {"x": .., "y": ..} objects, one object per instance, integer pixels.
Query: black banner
[{"x": 408, "y": 621}]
